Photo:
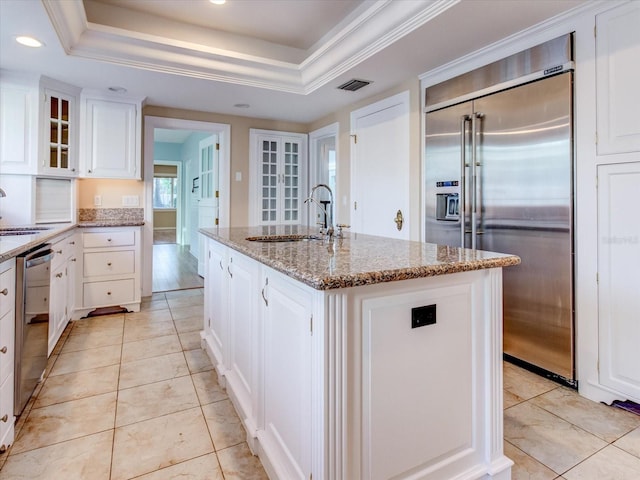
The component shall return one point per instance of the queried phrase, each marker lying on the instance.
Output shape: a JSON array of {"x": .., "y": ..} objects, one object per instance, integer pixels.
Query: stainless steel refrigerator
[{"x": 499, "y": 176}]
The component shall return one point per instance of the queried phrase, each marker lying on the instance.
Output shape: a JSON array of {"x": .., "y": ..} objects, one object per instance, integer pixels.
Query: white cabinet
[
  {"x": 109, "y": 269},
  {"x": 216, "y": 326},
  {"x": 232, "y": 281},
  {"x": 277, "y": 179},
  {"x": 619, "y": 278},
  {"x": 19, "y": 100},
  {"x": 39, "y": 126},
  {"x": 111, "y": 140},
  {"x": 348, "y": 384},
  {"x": 617, "y": 79},
  {"x": 285, "y": 432},
  {"x": 63, "y": 279},
  {"x": 241, "y": 375},
  {"x": 7, "y": 335}
]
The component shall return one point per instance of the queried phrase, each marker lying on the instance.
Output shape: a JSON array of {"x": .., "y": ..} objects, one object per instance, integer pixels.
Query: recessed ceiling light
[
  {"x": 29, "y": 41},
  {"x": 118, "y": 89},
  {"x": 242, "y": 105},
  {"x": 218, "y": 2}
]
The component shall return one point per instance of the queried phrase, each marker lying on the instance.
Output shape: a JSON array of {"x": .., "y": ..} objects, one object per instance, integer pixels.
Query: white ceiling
[{"x": 284, "y": 58}]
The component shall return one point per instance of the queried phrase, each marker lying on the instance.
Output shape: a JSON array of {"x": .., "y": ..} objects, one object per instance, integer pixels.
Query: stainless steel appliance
[
  {"x": 32, "y": 321},
  {"x": 499, "y": 176}
]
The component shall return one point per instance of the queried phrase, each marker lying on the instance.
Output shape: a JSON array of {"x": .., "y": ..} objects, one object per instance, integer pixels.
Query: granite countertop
[
  {"x": 110, "y": 223},
  {"x": 14, "y": 245},
  {"x": 356, "y": 259}
]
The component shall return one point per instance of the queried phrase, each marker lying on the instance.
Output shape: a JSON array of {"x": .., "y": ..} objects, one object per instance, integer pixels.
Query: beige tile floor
[
  {"x": 133, "y": 396},
  {"x": 553, "y": 433}
]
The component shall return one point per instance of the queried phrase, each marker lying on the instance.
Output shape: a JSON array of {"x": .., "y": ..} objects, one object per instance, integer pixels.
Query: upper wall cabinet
[
  {"x": 617, "y": 79},
  {"x": 112, "y": 133},
  {"x": 38, "y": 126}
]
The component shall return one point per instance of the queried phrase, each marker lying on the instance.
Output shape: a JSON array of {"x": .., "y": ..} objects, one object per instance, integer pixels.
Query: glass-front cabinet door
[
  {"x": 277, "y": 177},
  {"x": 60, "y": 128}
]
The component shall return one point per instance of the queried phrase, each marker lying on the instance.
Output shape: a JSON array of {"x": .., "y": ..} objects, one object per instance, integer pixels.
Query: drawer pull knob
[
  {"x": 73, "y": 259},
  {"x": 108, "y": 293},
  {"x": 4, "y": 418},
  {"x": 3, "y": 349},
  {"x": 5, "y": 292},
  {"x": 108, "y": 264},
  {"x": 59, "y": 275},
  {"x": 72, "y": 243},
  {"x": 59, "y": 252},
  {"x": 108, "y": 239}
]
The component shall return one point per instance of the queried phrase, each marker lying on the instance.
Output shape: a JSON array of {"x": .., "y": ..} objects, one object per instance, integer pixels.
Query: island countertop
[{"x": 354, "y": 260}]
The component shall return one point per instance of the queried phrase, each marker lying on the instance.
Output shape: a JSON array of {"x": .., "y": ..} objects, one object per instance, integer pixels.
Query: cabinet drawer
[
  {"x": 6, "y": 408},
  {"x": 63, "y": 250},
  {"x": 7, "y": 328},
  {"x": 7, "y": 291},
  {"x": 104, "y": 294},
  {"x": 109, "y": 239},
  {"x": 109, "y": 263}
]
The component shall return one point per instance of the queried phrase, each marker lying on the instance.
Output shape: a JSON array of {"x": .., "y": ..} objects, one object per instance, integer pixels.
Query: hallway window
[{"x": 165, "y": 192}]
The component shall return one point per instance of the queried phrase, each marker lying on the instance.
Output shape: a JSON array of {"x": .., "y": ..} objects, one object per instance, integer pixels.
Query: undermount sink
[
  {"x": 283, "y": 238},
  {"x": 6, "y": 231}
]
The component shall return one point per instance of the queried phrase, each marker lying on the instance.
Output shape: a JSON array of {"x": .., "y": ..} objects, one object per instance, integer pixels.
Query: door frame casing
[
  {"x": 315, "y": 137},
  {"x": 223, "y": 131}
]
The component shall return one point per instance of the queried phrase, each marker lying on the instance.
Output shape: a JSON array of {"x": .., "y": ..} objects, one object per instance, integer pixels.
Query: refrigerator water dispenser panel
[{"x": 447, "y": 207}]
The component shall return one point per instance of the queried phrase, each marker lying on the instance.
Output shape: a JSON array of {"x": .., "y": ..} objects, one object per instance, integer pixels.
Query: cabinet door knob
[
  {"x": 59, "y": 275},
  {"x": 73, "y": 259},
  {"x": 72, "y": 243},
  {"x": 59, "y": 252},
  {"x": 88, "y": 171},
  {"x": 3, "y": 448},
  {"x": 108, "y": 239},
  {"x": 3, "y": 349},
  {"x": 5, "y": 292},
  {"x": 73, "y": 169},
  {"x": 108, "y": 293},
  {"x": 108, "y": 264},
  {"x": 4, "y": 418}
]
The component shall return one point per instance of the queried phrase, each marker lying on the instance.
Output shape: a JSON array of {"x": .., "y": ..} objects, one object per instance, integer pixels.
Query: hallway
[{"x": 174, "y": 268}]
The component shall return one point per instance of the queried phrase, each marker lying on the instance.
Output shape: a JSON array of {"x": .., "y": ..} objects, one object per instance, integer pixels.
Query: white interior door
[
  {"x": 209, "y": 191},
  {"x": 380, "y": 168}
]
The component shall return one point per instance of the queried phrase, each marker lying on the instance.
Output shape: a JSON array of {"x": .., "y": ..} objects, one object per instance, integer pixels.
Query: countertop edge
[{"x": 371, "y": 277}]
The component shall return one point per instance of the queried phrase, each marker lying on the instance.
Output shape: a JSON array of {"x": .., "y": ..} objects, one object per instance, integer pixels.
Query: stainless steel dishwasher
[{"x": 32, "y": 321}]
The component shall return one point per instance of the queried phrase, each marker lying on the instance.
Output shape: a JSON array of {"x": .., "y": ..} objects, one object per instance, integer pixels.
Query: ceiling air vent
[{"x": 353, "y": 85}]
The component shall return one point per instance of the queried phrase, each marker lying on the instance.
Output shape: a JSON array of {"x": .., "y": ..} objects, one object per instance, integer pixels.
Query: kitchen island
[{"x": 359, "y": 358}]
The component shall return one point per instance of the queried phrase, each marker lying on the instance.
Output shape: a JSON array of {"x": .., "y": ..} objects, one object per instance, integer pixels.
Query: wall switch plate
[
  {"x": 422, "y": 316},
  {"x": 130, "y": 200},
  {"x": 97, "y": 200}
]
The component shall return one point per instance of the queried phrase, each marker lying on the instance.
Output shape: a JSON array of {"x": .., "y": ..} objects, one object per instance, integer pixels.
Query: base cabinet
[
  {"x": 63, "y": 278},
  {"x": 110, "y": 269},
  {"x": 619, "y": 277},
  {"x": 7, "y": 352},
  {"x": 344, "y": 387},
  {"x": 285, "y": 433}
]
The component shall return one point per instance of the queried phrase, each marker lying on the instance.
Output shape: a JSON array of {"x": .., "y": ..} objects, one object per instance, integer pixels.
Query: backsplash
[{"x": 110, "y": 214}]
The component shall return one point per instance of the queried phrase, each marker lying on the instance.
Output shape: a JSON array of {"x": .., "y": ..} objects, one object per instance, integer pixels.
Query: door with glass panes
[
  {"x": 278, "y": 177},
  {"x": 208, "y": 201}
]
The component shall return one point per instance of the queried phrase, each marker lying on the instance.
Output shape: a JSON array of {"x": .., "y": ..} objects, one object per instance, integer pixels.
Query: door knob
[{"x": 399, "y": 220}]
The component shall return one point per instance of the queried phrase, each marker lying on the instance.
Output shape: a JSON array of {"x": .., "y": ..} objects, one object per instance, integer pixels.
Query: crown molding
[{"x": 373, "y": 28}]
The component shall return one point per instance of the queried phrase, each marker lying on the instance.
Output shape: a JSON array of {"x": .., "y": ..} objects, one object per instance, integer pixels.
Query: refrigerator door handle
[
  {"x": 474, "y": 182},
  {"x": 476, "y": 222},
  {"x": 463, "y": 178}
]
